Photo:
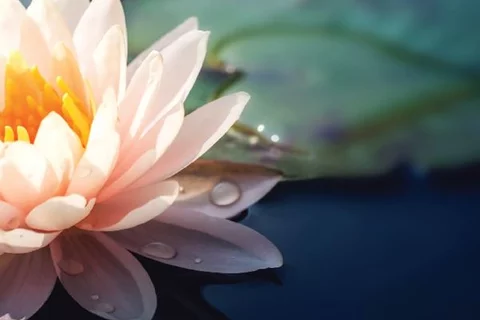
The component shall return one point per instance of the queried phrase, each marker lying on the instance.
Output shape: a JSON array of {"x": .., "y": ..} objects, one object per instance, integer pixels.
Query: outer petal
[
  {"x": 101, "y": 152},
  {"x": 52, "y": 25},
  {"x": 223, "y": 189},
  {"x": 193, "y": 240},
  {"x": 100, "y": 16},
  {"x": 182, "y": 62},
  {"x": 188, "y": 25},
  {"x": 130, "y": 209},
  {"x": 27, "y": 281},
  {"x": 72, "y": 11},
  {"x": 12, "y": 13},
  {"x": 26, "y": 176},
  {"x": 102, "y": 277},
  {"x": 59, "y": 213},
  {"x": 60, "y": 145},
  {"x": 142, "y": 155},
  {"x": 108, "y": 70},
  {"x": 24, "y": 241},
  {"x": 200, "y": 130}
]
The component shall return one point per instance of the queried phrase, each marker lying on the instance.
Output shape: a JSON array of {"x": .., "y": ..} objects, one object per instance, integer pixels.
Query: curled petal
[
  {"x": 92, "y": 265},
  {"x": 24, "y": 240},
  {"x": 59, "y": 213},
  {"x": 223, "y": 189},
  {"x": 195, "y": 241},
  {"x": 200, "y": 130},
  {"x": 132, "y": 208},
  {"x": 27, "y": 281}
]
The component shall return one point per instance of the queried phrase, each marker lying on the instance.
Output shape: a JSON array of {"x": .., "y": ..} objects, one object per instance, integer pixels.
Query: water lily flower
[{"x": 88, "y": 151}]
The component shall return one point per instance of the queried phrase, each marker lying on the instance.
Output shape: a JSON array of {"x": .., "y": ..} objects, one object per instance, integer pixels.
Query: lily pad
[{"x": 339, "y": 88}]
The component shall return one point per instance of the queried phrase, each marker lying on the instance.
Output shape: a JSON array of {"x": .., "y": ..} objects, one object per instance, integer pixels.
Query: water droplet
[
  {"x": 181, "y": 189},
  {"x": 225, "y": 193},
  {"x": 95, "y": 297},
  {"x": 197, "y": 260},
  {"x": 105, "y": 307},
  {"x": 159, "y": 250},
  {"x": 71, "y": 267},
  {"x": 84, "y": 172}
]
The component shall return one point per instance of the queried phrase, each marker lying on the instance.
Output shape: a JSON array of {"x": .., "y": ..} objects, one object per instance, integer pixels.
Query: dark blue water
[{"x": 400, "y": 246}]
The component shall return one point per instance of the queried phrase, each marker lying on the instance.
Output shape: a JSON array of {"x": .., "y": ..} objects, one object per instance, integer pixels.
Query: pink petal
[
  {"x": 108, "y": 69},
  {"x": 182, "y": 61},
  {"x": 34, "y": 48},
  {"x": 27, "y": 281},
  {"x": 142, "y": 87},
  {"x": 60, "y": 145},
  {"x": 26, "y": 176},
  {"x": 102, "y": 277},
  {"x": 23, "y": 240},
  {"x": 101, "y": 152},
  {"x": 11, "y": 19},
  {"x": 200, "y": 130},
  {"x": 193, "y": 240},
  {"x": 132, "y": 208},
  {"x": 100, "y": 16},
  {"x": 188, "y": 25},
  {"x": 142, "y": 155},
  {"x": 51, "y": 23},
  {"x": 223, "y": 189},
  {"x": 59, "y": 213},
  {"x": 10, "y": 217},
  {"x": 72, "y": 11}
]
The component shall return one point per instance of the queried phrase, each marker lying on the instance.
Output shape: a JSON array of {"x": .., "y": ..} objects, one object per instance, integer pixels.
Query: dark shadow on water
[{"x": 400, "y": 246}]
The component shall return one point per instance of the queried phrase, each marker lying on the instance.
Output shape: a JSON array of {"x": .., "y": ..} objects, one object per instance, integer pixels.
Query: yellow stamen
[
  {"x": 9, "y": 136},
  {"x": 29, "y": 98},
  {"x": 22, "y": 134}
]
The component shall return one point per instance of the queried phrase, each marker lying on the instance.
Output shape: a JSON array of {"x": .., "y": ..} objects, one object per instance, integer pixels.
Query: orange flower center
[{"x": 29, "y": 98}]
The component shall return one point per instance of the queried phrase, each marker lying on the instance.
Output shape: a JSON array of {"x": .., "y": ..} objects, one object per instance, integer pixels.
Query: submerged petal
[
  {"x": 196, "y": 241},
  {"x": 92, "y": 265},
  {"x": 223, "y": 189},
  {"x": 27, "y": 281}
]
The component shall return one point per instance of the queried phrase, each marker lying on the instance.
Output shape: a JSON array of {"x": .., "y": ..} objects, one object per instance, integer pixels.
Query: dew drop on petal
[
  {"x": 197, "y": 260},
  {"x": 104, "y": 307},
  {"x": 95, "y": 297},
  {"x": 71, "y": 267},
  {"x": 225, "y": 193},
  {"x": 159, "y": 250}
]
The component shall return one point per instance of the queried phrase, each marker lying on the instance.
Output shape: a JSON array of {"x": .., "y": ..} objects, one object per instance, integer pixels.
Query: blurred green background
[{"x": 339, "y": 87}]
